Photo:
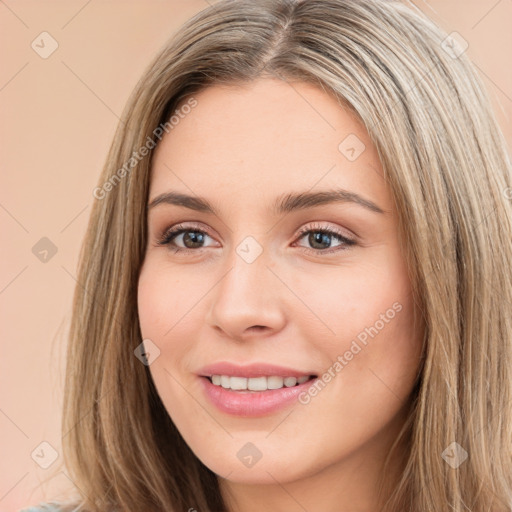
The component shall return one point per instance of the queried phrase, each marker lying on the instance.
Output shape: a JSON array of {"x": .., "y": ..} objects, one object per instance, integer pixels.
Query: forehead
[{"x": 264, "y": 138}]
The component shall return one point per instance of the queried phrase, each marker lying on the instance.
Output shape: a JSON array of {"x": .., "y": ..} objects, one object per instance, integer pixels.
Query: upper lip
[{"x": 250, "y": 370}]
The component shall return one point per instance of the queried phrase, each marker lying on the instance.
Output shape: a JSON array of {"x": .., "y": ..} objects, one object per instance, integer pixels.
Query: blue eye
[
  {"x": 191, "y": 236},
  {"x": 318, "y": 235},
  {"x": 321, "y": 235}
]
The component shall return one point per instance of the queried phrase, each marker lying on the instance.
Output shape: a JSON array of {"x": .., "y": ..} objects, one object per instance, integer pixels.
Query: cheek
[
  {"x": 358, "y": 301},
  {"x": 163, "y": 298},
  {"x": 163, "y": 319},
  {"x": 374, "y": 354},
  {"x": 170, "y": 314},
  {"x": 166, "y": 317}
]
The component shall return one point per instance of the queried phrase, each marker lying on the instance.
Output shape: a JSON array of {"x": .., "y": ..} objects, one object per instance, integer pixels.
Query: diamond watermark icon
[
  {"x": 454, "y": 455},
  {"x": 44, "y": 45},
  {"x": 249, "y": 249},
  {"x": 249, "y": 454},
  {"x": 351, "y": 147},
  {"x": 147, "y": 352},
  {"x": 454, "y": 45},
  {"x": 44, "y": 455},
  {"x": 44, "y": 250}
]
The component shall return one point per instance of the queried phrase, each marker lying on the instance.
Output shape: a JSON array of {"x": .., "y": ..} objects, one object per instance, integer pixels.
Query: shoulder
[{"x": 43, "y": 507}]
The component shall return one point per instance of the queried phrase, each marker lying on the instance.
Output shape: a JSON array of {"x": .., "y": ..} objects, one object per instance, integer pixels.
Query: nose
[{"x": 247, "y": 301}]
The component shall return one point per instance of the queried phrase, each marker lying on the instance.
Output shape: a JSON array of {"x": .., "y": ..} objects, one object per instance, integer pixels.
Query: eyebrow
[{"x": 283, "y": 204}]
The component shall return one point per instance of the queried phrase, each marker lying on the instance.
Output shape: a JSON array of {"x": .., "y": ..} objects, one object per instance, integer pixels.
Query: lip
[
  {"x": 251, "y": 370},
  {"x": 251, "y": 403}
]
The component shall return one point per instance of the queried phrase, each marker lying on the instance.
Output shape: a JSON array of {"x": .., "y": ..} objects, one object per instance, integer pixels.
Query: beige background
[{"x": 58, "y": 116}]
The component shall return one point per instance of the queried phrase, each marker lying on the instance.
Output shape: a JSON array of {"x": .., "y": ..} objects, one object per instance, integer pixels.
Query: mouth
[
  {"x": 252, "y": 390},
  {"x": 258, "y": 384},
  {"x": 258, "y": 396}
]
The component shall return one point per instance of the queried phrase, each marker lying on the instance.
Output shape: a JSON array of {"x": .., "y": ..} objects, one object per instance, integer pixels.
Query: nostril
[{"x": 258, "y": 327}]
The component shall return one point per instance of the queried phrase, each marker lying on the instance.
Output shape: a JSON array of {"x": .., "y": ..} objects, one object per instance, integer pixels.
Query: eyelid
[
  {"x": 170, "y": 233},
  {"x": 177, "y": 229},
  {"x": 347, "y": 240},
  {"x": 324, "y": 226}
]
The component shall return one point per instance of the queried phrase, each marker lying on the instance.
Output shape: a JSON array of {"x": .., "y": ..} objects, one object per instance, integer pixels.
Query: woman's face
[{"x": 293, "y": 270}]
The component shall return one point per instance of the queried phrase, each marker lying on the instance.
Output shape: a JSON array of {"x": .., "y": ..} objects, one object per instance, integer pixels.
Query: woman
[{"x": 295, "y": 289}]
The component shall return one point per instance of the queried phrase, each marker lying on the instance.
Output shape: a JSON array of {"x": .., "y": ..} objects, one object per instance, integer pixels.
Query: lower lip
[{"x": 253, "y": 403}]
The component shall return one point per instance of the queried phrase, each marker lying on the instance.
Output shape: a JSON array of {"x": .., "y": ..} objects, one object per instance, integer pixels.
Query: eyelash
[{"x": 169, "y": 235}]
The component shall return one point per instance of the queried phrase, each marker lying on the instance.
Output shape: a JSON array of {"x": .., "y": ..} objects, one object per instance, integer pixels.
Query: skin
[{"x": 240, "y": 148}]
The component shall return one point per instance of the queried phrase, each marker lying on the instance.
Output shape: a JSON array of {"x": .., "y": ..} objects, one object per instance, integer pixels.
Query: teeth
[
  {"x": 256, "y": 383},
  {"x": 290, "y": 381},
  {"x": 238, "y": 382},
  {"x": 274, "y": 382}
]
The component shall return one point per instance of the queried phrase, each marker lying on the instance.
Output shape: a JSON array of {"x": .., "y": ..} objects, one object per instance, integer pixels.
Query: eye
[
  {"x": 192, "y": 238},
  {"x": 318, "y": 236}
]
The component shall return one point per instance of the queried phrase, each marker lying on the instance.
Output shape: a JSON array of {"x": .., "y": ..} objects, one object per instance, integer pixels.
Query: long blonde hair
[{"x": 445, "y": 160}]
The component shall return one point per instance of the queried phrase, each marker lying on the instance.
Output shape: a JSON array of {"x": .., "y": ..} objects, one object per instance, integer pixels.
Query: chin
[{"x": 258, "y": 461}]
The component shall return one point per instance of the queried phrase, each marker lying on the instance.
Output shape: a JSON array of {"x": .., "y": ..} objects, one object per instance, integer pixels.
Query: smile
[
  {"x": 251, "y": 390},
  {"x": 257, "y": 383}
]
